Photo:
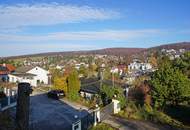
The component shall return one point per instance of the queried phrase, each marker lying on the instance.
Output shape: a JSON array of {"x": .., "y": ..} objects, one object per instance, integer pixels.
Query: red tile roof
[
  {"x": 10, "y": 67},
  {"x": 6, "y": 69}
]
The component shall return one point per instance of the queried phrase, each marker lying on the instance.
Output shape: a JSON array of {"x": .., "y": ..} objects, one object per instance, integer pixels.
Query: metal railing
[{"x": 8, "y": 101}]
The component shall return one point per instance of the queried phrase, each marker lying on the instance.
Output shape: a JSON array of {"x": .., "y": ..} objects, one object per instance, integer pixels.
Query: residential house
[
  {"x": 33, "y": 75},
  {"x": 6, "y": 69},
  {"x": 139, "y": 66},
  {"x": 88, "y": 92},
  {"x": 120, "y": 69},
  {"x": 23, "y": 77}
]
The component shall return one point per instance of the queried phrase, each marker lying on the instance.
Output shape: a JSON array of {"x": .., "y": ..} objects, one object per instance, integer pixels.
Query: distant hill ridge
[{"x": 112, "y": 51}]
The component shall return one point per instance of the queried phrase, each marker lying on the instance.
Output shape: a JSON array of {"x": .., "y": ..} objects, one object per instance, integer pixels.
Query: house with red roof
[{"x": 6, "y": 69}]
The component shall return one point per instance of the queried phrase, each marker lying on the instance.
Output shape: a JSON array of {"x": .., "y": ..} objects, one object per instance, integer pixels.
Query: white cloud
[
  {"x": 21, "y": 48},
  {"x": 50, "y": 14},
  {"x": 82, "y": 36}
]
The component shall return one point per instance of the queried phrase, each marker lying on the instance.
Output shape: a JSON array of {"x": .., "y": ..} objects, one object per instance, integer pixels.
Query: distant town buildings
[
  {"x": 172, "y": 53},
  {"x": 137, "y": 66}
]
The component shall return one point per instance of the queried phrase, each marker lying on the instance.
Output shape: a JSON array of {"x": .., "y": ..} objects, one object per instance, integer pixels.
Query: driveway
[{"x": 49, "y": 114}]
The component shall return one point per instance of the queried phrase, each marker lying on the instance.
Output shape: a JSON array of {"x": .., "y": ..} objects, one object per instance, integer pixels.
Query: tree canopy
[
  {"x": 60, "y": 83},
  {"x": 108, "y": 92},
  {"x": 73, "y": 85},
  {"x": 169, "y": 85}
]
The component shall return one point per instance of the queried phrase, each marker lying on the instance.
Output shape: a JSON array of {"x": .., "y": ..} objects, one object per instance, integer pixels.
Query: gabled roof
[
  {"x": 24, "y": 69},
  {"x": 94, "y": 89}
]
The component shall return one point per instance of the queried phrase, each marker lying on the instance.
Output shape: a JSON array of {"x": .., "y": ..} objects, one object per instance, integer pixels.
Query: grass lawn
[{"x": 180, "y": 113}]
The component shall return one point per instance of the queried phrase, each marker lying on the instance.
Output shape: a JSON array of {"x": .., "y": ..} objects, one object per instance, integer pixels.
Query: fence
[{"x": 9, "y": 100}]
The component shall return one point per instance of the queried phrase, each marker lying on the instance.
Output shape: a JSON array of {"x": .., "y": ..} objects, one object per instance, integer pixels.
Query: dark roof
[
  {"x": 23, "y": 74},
  {"x": 94, "y": 89},
  {"x": 24, "y": 69}
]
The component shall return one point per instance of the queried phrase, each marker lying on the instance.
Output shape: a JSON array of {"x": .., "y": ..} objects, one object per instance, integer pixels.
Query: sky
[{"x": 36, "y": 26}]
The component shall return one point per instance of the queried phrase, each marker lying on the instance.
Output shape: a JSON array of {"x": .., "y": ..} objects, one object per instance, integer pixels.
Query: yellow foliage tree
[
  {"x": 153, "y": 61},
  {"x": 60, "y": 83}
]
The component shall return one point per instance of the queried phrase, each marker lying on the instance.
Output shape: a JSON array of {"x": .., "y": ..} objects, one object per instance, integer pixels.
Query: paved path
[
  {"x": 49, "y": 114},
  {"x": 123, "y": 124}
]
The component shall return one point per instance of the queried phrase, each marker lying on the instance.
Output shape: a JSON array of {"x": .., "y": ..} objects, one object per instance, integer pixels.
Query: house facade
[
  {"x": 25, "y": 77},
  {"x": 33, "y": 75},
  {"x": 139, "y": 66},
  {"x": 42, "y": 75}
]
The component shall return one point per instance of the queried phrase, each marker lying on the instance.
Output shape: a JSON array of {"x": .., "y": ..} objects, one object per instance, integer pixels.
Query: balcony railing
[{"x": 8, "y": 101}]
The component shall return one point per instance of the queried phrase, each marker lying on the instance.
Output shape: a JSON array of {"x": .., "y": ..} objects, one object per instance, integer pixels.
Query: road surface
[{"x": 49, "y": 114}]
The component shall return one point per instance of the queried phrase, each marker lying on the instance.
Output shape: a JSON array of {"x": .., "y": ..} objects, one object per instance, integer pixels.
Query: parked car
[{"x": 56, "y": 94}]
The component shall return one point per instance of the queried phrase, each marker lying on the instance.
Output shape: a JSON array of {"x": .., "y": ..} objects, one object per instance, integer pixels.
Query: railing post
[
  {"x": 116, "y": 106},
  {"x": 0, "y": 105},
  {"x": 96, "y": 115},
  {"x": 8, "y": 96},
  {"x": 5, "y": 90}
]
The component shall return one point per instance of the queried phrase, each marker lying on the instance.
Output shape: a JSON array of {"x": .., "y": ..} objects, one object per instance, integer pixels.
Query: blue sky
[{"x": 34, "y": 26}]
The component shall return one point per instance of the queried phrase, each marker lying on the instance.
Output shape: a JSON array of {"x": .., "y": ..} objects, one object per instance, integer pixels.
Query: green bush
[
  {"x": 103, "y": 126},
  {"x": 146, "y": 112},
  {"x": 108, "y": 92}
]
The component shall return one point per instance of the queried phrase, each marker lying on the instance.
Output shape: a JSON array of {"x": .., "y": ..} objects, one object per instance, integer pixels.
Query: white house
[
  {"x": 42, "y": 75},
  {"x": 23, "y": 77},
  {"x": 33, "y": 75},
  {"x": 139, "y": 66}
]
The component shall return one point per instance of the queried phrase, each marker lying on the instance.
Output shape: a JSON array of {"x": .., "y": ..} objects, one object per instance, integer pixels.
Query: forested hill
[{"x": 114, "y": 51}]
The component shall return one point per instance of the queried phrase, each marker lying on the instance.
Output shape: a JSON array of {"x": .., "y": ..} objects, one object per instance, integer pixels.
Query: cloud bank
[
  {"x": 50, "y": 14},
  {"x": 82, "y": 36}
]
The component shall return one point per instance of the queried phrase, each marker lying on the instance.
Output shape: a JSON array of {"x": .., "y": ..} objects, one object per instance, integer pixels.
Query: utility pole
[{"x": 101, "y": 76}]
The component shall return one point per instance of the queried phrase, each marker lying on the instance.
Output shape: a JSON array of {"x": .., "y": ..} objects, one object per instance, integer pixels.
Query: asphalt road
[{"x": 49, "y": 114}]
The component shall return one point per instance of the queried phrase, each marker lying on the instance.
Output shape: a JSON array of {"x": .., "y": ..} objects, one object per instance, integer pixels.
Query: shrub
[{"x": 103, "y": 126}]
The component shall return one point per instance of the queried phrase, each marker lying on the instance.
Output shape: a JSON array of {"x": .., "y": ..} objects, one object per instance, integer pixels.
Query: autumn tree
[
  {"x": 60, "y": 83},
  {"x": 55, "y": 73},
  {"x": 92, "y": 69},
  {"x": 153, "y": 61},
  {"x": 73, "y": 85},
  {"x": 83, "y": 70}
]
